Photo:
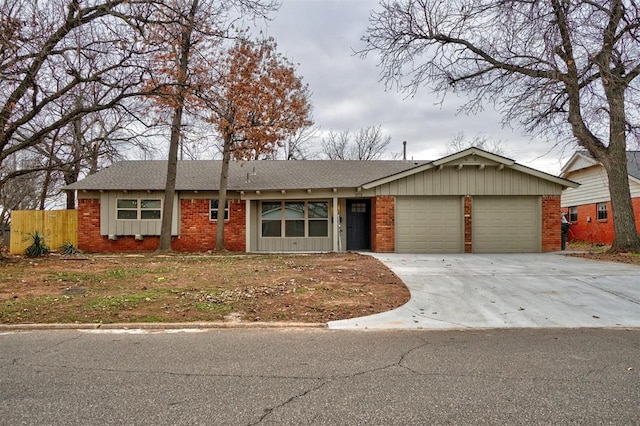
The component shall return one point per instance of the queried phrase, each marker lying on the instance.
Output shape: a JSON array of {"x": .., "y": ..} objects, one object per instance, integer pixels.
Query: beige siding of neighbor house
[
  {"x": 582, "y": 163},
  {"x": 594, "y": 187},
  {"x": 470, "y": 180}
]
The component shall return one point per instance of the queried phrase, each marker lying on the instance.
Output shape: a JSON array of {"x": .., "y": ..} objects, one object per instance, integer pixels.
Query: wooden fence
[{"x": 57, "y": 226}]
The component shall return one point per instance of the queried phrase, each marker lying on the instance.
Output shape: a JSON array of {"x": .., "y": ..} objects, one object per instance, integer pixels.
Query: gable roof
[
  {"x": 204, "y": 175},
  {"x": 582, "y": 160},
  {"x": 473, "y": 157}
]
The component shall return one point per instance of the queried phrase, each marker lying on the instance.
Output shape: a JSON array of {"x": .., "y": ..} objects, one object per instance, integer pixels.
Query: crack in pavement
[
  {"x": 329, "y": 379},
  {"x": 611, "y": 292},
  {"x": 269, "y": 411},
  {"x": 15, "y": 361}
]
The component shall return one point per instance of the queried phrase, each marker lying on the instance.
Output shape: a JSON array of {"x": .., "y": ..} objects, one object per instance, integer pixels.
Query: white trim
[
  {"x": 247, "y": 225},
  {"x": 336, "y": 225}
]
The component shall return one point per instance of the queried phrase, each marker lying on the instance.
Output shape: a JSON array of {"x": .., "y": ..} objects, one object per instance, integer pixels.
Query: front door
[{"x": 358, "y": 224}]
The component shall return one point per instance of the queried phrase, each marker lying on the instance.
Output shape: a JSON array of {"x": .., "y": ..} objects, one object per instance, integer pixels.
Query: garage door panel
[
  {"x": 429, "y": 225},
  {"x": 506, "y": 225}
]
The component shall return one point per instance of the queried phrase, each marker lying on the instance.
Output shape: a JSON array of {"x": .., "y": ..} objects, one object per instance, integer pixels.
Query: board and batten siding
[
  {"x": 110, "y": 225},
  {"x": 594, "y": 187},
  {"x": 470, "y": 180}
]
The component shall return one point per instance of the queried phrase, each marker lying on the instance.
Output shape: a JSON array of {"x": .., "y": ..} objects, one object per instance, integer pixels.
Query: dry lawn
[
  {"x": 306, "y": 288},
  {"x": 595, "y": 252},
  {"x": 179, "y": 288}
]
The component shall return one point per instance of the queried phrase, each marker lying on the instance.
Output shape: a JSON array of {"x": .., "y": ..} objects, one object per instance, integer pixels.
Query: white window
[
  {"x": 139, "y": 209},
  {"x": 573, "y": 214},
  {"x": 295, "y": 218},
  {"x": 213, "y": 210},
  {"x": 601, "y": 211}
]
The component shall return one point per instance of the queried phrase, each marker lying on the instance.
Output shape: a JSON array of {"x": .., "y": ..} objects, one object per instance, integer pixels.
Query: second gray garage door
[
  {"x": 429, "y": 225},
  {"x": 506, "y": 225}
]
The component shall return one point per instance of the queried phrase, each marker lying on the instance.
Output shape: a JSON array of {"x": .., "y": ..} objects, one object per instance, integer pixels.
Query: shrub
[
  {"x": 68, "y": 248},
  {"x": 38, "y": 247}
]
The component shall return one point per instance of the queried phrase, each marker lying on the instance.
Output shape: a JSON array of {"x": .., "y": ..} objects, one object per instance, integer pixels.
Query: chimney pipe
[{"x": 404, "y": 150}]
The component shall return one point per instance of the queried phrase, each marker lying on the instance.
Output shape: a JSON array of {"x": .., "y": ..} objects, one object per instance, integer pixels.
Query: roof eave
[{"x": 474, "y": 151}]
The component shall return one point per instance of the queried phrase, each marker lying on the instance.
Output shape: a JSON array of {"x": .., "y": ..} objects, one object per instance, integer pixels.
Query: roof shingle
[{"x": 204, "y": 175}]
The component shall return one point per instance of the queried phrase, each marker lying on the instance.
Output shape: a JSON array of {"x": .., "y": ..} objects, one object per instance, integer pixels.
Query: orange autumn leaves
[
  {"x": 247, "y": 91},
  {"x": 259, "y": 101}
]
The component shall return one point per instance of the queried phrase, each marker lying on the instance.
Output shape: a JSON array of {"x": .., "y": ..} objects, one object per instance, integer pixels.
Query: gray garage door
[
  {"x": 506, "y": 225},
  {"x": 429, "y": 225}
]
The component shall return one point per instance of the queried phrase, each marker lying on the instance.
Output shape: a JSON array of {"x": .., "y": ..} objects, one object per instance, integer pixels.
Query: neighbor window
[
  {"x": 213, "y": 210},
  {"x": 138, "y": 209},
  {"x": 295, "y": 219},
  {"x": 573, "y": 214},
  {"x": 602, "y": 211}
]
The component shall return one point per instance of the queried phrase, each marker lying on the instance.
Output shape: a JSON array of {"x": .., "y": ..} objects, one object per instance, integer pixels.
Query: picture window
[{"x": 295, "y": 219}]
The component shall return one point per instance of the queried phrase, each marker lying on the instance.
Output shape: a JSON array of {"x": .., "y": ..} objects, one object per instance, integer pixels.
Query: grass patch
[{"x": 175, "y": 288}]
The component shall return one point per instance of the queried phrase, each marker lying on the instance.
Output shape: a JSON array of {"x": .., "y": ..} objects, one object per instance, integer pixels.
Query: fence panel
[{"x": 57, "y": 226}]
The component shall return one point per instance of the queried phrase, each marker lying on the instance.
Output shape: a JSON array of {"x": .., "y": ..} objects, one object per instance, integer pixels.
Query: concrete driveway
[{"x": 465, "y": 291}]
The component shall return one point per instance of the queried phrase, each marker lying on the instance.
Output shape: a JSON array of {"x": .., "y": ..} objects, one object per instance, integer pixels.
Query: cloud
[{"x": 321, "y": 36}]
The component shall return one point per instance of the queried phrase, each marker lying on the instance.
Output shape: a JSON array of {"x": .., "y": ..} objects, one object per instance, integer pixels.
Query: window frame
[
  {"x": 291, "y": 223},
  {"x": 139, "y": 209},
  {"x": 573, "y": 214},
  {"x": 602, "y": 213},
  {"x": 227, "y": 213}
]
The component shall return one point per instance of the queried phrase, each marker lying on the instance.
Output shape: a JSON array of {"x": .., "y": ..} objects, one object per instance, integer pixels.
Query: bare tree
[
  {"x": 460, "y": 142},
  {"x": 336, "y": 146},
  {"x": 559, "y": 67},
  {"x": 40, "y": 64},
  {"x": 298, "y": 146},
  {"x": 367, "y": 144}
]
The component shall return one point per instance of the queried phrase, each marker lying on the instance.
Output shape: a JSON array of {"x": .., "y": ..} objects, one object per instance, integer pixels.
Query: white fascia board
[
  {"x": 474, "y": 151},
  {"x": 546, "y": 176}
]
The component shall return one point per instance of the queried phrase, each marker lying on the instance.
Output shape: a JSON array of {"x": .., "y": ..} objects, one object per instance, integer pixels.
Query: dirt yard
[
  {"x": 179, "y": 288},
  {"x": 229, "y": 288},
  {"x": 599, "y": 253}
]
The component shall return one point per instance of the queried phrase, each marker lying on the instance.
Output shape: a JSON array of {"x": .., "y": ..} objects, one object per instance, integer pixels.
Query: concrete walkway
[{"x": 547, "y": 290}]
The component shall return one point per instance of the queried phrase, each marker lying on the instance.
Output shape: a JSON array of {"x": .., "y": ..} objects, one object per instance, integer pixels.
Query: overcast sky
[{"x": 321, "y": 36}]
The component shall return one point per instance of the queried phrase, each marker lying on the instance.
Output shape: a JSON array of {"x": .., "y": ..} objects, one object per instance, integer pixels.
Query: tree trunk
[
  {"x": 170, "y": 186},
  {"x": 176, "y": 129},
  {"x": 626, "y": 237},
  {"x": 222, "y": 193}
]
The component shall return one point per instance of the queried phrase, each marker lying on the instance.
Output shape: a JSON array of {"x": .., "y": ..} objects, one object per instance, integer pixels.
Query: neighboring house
[
  {"x": 472, "y": 201},
  {"x": 588, "y": 207}
]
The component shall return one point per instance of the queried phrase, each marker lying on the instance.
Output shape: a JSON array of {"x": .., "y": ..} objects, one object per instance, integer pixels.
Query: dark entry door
[{"x": 358, "y": 224}]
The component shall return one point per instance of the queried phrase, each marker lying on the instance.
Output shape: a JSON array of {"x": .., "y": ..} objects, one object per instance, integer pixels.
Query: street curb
[{"x": 161, "y": 326}]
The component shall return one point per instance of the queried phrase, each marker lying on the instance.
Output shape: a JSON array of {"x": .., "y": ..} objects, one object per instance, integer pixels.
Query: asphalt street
[{"x": 319, "y": 377}]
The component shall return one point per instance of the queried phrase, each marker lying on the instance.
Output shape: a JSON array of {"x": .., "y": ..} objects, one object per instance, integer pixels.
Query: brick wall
[
  {"x": 198, "y": 233},
  {"x": 384, "y": 230},
  {"x": 551, "y": 237},
  {"x": 468, "y": 228},
  {"x": 591, "y": 230}
]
